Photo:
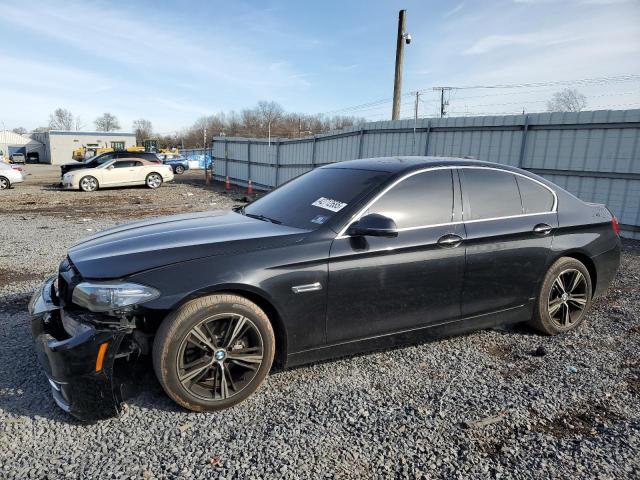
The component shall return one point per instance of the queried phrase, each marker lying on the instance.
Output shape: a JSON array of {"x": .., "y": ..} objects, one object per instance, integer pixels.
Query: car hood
[{"x": 135, "y": 247}]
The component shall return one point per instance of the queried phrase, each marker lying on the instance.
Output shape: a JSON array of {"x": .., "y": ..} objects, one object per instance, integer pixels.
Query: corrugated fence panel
[{"x": 594, "y": 155}]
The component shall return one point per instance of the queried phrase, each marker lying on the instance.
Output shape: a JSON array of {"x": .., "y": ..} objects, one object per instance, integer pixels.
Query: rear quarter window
[{"x": 535, "y": 197}]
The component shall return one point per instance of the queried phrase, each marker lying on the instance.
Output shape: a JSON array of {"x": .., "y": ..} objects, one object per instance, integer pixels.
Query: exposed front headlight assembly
[{"x": 109, "y": 296}]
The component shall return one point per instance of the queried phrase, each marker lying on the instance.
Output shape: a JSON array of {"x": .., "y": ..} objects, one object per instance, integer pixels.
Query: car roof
[{"x": 401, "y": 163}]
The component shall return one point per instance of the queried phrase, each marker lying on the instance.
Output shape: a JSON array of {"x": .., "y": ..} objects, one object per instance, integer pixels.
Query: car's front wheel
[
  {"x": 179, "y": 169},
  {"x": 88, "y": 184},
  {"x": 4, "y": 183},
  {"x": 153, "y": 180},
  {"x": 213, "y": 352},
  {"x": 565, "y": 297}
]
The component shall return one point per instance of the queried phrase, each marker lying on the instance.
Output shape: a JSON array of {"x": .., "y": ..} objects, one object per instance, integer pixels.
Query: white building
[
  {"x": 60, "y": 144},
  {"x": 11, "y": 143}
]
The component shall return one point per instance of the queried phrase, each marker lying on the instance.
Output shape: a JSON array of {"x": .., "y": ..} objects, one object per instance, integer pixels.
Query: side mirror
[
  {"x": 110, "y": 167},
  {"x": 373, "y": 225}
]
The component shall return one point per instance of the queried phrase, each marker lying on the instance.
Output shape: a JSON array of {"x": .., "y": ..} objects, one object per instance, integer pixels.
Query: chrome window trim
[{"x": 358, "y": 215}]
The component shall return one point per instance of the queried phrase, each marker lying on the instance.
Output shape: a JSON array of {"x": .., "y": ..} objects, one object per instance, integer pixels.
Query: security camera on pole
[{"x": 403, "y": 37}]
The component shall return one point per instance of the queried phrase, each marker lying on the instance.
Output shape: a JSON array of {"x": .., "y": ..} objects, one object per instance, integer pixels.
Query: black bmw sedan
[{"x": 350, "y": 257}]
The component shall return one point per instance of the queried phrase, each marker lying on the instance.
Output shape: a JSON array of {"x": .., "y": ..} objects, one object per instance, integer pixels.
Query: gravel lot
[{"x": 478, "y": 406}]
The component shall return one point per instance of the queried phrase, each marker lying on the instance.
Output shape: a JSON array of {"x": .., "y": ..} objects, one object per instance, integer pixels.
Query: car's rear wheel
[
  {"x": 565, "y": 297},
  {"x": 179, "y": 169},
  {"x": 4, "y": 183},
  {"x": 153, "y": 180},
  {"x": 88, "y": 184},
  {"x": 213, "y": 352}
]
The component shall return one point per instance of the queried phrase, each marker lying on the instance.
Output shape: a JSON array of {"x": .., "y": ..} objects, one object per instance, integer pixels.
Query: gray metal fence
[{"x": 594, "y": 155}]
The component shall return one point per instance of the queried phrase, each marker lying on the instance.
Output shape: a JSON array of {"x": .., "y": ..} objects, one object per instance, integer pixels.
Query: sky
[{"x": 173, "y": 62}]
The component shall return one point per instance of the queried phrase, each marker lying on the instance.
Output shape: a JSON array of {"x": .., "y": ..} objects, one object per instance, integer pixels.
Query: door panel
[
  {"x": 380, "y": 285},
  {"x": 505, "y": 261},
  {"x": 109, "y": 176},
  {"x": 506, "y": 249}
]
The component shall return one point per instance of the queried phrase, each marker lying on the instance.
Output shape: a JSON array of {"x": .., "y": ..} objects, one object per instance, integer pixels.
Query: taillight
[{"x": 615, "y": 225}]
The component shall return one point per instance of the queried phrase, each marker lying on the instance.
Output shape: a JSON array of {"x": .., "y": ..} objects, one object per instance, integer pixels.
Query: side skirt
[{"x": 517, "y": 314}]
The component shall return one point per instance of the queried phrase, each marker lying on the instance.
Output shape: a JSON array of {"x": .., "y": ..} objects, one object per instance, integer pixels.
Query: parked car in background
[
  {"x": 10, "y": 175},
  {"x": 118, "y": 173},
  {"x": 107, "y": 157},
  {"x": 177, "y": 162},
  {"x": 350, "y": 257},
  {"x": 18, "y": 158}
]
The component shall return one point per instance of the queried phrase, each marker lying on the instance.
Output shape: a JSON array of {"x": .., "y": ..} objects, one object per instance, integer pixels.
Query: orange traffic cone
[
  {"x": 250, "y": 188},
  {"x": 227, "y": 184}
]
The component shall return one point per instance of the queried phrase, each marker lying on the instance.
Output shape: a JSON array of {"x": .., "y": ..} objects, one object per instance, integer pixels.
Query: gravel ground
[{"x": 478, "y": 406}]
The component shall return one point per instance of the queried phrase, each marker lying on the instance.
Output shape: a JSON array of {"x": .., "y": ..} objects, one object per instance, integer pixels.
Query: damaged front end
[{"x": 82, "y": 352}]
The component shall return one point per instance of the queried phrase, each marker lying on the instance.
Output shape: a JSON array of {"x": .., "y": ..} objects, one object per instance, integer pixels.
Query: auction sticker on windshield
[{"x": 329, "y": 204}]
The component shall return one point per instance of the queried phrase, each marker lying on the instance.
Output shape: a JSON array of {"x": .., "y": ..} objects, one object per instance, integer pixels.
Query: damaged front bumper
[{"x": 78, "y": 357}]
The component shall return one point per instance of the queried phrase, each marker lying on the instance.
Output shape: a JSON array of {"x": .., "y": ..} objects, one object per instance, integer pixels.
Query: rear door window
[
  {"x": 490, "y": 194},
  {"x": 535, "y": 197},
  {"x": 420, "y": 200},
  {"x": 125, "y": 164}
]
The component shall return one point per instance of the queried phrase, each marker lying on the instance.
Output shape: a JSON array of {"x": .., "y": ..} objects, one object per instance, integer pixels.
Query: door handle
[
  {"x": 542, "y": 229},
  {"x": 450, "y": 240}
]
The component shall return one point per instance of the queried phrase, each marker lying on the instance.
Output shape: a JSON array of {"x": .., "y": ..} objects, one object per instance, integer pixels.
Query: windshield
[{"x": 311, "y": 200}]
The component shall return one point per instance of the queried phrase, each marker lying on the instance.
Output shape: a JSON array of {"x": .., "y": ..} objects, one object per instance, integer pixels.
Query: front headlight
[{"x": 109, "y": 296}]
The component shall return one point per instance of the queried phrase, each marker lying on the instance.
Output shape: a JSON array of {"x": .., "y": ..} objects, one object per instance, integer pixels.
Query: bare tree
[
  {"x": 143, "y": 130},
  {"x": 107, "y": 123},
  {"x": 254, "y": 122},
  {"x": 61, "y": 119},
  {"x": 269, "y": 113},
  {"x": 567, "y": 100},
  {"x": 19, "y": 130},
  {"x": 79, "y": 123}
]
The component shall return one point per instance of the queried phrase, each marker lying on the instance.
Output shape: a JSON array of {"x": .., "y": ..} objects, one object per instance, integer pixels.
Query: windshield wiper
[{"x": 264, "y": 218}]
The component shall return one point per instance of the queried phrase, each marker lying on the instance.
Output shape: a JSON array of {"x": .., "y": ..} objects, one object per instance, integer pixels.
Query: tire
[
  {"x": 562, "y": 304},
  {"x": 179, "y": 170},
  {"x": 178, "y": 344},
  {"x": 5, "y": 184},
  {"x": 153, "y": 180},
  {"x": 88, "y": 184}
]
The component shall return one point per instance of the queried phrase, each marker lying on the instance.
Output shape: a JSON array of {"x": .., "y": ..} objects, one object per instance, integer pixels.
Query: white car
[
  {"x": 118, "y": 173},
  {"x": 10, "y": 176}
]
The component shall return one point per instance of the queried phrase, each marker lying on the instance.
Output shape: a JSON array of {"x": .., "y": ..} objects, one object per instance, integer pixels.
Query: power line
[{"x": 582, "y": 81}]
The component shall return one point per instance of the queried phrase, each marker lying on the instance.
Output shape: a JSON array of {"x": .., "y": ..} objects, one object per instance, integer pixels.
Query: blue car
[{"x": 177, "y": 162}]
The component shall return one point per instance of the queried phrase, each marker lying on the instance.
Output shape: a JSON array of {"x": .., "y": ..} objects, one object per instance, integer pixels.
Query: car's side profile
[
  {"x": 118, "y": 173},
  {"x": 10, "y": 176},
  {"x": 179, "y": 163},
  {"x": 105, "y": 157},
  {"x": 350, "y": 257}
]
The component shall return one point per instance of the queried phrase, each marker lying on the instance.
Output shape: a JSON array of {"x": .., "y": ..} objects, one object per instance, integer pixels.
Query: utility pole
[
  {"x": 443, "y": 104},
  {"x": 403, "y": 37},
  {"x": 415, "y": 120}
]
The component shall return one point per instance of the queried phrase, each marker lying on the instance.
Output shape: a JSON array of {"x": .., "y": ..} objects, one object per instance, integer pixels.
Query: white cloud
[
  {"x": 540, "y": 39},
  {"x": 454, "y": 10}
]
